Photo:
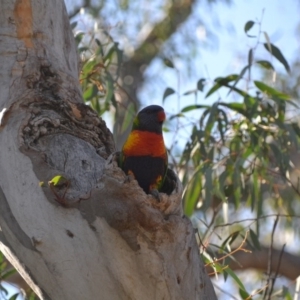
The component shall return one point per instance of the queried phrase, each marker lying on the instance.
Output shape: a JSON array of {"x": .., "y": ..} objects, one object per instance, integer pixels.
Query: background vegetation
[{"x": 233, "y": 140}]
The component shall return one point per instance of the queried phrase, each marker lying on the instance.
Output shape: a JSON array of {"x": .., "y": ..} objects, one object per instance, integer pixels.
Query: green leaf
[
  {"x": 3, "y": 290},
  {"x": 73, "y": 25},
  {"x": 168, "y": 63},
  {"x": 268, "y": 40},
  {"x": 265, "y": 64},
  {"x": 58, "y": 180},
  {"x": 251, "y": 106},
  {"x": 237, "y": 280},
  {"x": 88, "y": 66},
  {"x": 119, "y": 53},
  {"x": 204, "y": 114},
  {"x": 189, "y": 92},
  {"x": 255, "y": 193},
  {"x": 229, "y": 240},
  {"x": 79, "y": 37},
  {"x": 168, "y": 92},
  {"x": 286, "y": 295},
  {"x": 83, "y": 49},
  {"x": 221, "y": 81},
  {"x": 128, "y": 118},
  {"x": 109, "y": 88},
  {"x": 239, "y": 77},
  {"x": 98, "y": 42},
  {"x": 192, "y": 107},
  {"x": 90, "y": 92},
  {"x": 250, "y": 57},
  {"x": 277, "y": 54},
  {"x": 200, "y": 84},
  {"x": 254, "y": 239},
  {"x": 211, "y": 120},
  {"x": 244, "y": 294},
  {"x": 108, "y": 58},
  {"x": 248, "y": 26},
  {"x": 208, "y": 186},
  {"x": 179, "y": 115},
  {"x": 270, "y": 91},
  {"x": 238, "y": 107},
  {"x": 222, "y": 124},
  {"x": 237, "y": 184},
  {"x": 240, "y": 92},
  {"x": 8, "y": 273},
  {"x": 193, "y": 193},
  {"x": 213, "y": 89},
  {"x": 14, "y": 297}
]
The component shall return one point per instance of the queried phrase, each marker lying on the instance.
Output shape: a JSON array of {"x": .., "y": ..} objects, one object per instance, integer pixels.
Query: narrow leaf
[
  {"x": 238, "y": 107},
  {"x": 250, "y": 57},
  {"x": 200, "y": 84},
  {"x": 270, "y": 91},
  {"x": 254, "y": 239},
  {"x": 192, "y": 107},
  {"x": 267, "y": 39},
  {"x": 193, "y": 194},
  {"x": 168, "y": 92},
  {"x": 208, "y": 188},
  {"x": 221, "y": 81},
  {"x": 265, "y": 64},
  {"x": 89, "y": 93},
  {"x": 73, "y": 25},
  {"x": 58, "y": 180},
  {"x": 130, "y": 112},
  {"x": 277, "y": 54},
  {"x": 168, "y": 63},
  {"x": 189, "y": 92},
  {"x": 14, "y": 297},
  {"x": 248, "y": 26},
  {"x": 237, "y": 280},
  {"x": 244, "y": 294},
  {"x": 7, "y": 274},
  {"x": 211, "y": 119},
  {"x": 239, "y": 77}
]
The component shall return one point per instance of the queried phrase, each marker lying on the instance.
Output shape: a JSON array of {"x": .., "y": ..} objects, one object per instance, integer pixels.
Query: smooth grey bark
[{"x": 99, "y": 236}]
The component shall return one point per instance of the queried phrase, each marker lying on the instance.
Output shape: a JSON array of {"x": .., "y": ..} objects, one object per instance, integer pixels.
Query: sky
[
  {"x": 228, "y": 54},
  {"x": 280, "y": 20}
]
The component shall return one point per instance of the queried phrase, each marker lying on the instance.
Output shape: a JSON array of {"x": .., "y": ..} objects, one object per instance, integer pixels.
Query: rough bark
[{"x": 99, "y": 236}]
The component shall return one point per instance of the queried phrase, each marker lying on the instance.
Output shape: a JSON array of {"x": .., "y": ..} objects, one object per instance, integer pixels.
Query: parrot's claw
[{"x": 156, "y": 195}]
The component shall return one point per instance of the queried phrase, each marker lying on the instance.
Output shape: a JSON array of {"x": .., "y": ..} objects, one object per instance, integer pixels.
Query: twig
[
  {"x": 257, "y": 292},
  {"x": 277, "y": 270},
  {"x": 270, "y": 282},
  {"x": 239, "y": 248},
  {"x": 255, "y": 219}
]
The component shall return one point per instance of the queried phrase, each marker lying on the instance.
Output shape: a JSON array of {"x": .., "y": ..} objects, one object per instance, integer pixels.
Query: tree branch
[{"x": 258, "y": 259}]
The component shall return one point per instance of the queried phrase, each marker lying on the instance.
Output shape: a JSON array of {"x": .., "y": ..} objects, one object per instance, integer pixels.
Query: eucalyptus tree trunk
[{"x": 94, "y": 235}]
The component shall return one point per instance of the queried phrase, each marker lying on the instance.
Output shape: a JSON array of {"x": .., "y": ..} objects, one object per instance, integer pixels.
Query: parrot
[{"x": 144, "y": 155}]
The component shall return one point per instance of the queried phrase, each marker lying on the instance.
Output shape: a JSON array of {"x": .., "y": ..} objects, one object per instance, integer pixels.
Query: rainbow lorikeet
[{"x": 144, "y": 154}]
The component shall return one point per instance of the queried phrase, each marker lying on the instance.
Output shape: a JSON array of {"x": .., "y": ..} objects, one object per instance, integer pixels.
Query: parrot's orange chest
[{"x": 144, "y": 143}]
